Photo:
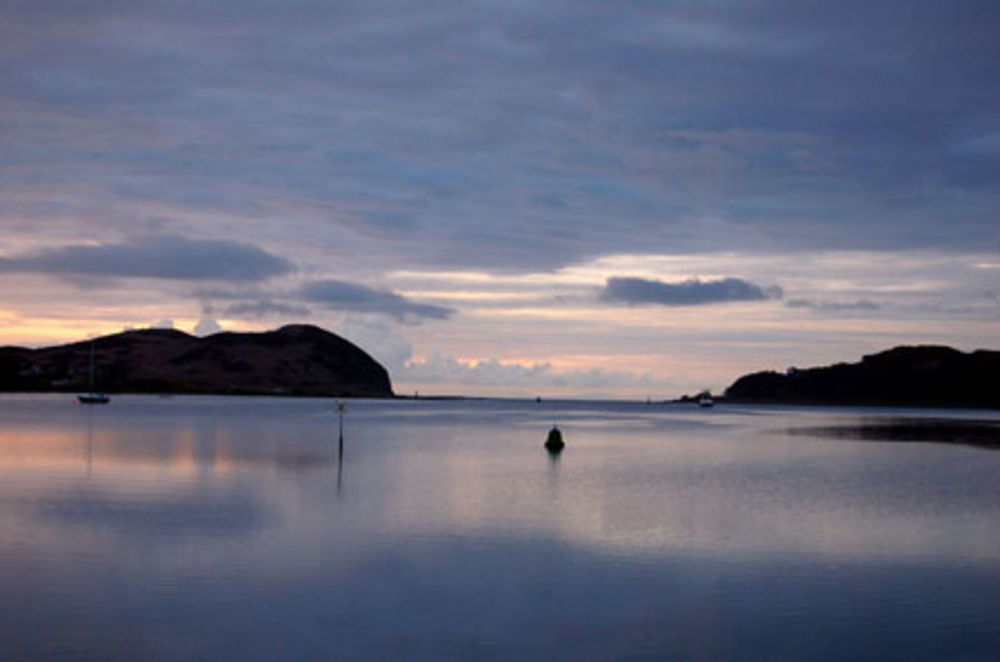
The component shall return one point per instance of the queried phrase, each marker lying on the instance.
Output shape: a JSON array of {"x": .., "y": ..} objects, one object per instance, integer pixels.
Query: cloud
[
  {"x": 353, "y": 297},
  {"x": 206, "y": 327},
  {"x": 264, "y": 308},
  {"x": 691, "y": 292},
  {"x": 329, "y": 294},
  {"x": 162, "y": 257},
  {"x": 520, "y": 141},
  {"x": 439, "y": 369},
  {"x": 718, "y": 130},
  {"x": 380, "y": 337},
  {"x": 833, "y": 306}
]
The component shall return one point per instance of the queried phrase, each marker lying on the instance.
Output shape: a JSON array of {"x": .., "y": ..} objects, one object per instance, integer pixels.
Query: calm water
[{"x": 192, "y": 528}]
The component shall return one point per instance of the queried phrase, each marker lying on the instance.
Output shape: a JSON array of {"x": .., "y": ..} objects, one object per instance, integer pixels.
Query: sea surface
[{"x": 224, "y": 528}]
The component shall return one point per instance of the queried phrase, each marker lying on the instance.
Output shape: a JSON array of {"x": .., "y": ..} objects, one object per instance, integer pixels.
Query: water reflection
[
  {"x": 340, "y": 459},
  {"x": 90, "y": 441},
  {"x": 195, "y": 513},
  {"x": 212, "y": 529},
  {"x": 984, "y": 434}
]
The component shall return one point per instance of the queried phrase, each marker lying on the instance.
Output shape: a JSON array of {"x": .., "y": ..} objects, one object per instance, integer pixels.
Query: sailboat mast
[
  {"x": 91, "y": 366},
  {"x": 93, "y": 398}
]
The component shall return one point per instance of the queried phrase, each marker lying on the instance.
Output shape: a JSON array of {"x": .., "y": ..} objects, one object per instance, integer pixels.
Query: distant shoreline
[
  {"x": 684, "y": 401},
  {"x": 307, "y": 361}
]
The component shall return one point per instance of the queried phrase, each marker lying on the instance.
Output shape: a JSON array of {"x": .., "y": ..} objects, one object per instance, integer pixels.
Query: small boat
[
  {"x": 93, "y": 397},
  {"x": 705, "y": 400}
]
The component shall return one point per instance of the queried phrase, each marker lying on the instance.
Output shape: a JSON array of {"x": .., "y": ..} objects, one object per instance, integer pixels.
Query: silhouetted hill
[
  {"x": 924, "y": 376},
  {"x": 297, "y": 359}
]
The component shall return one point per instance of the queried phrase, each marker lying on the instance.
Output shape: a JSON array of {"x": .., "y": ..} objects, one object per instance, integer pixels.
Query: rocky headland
[
  {"x": 925, "y": 376},
  {"x": 293, "y": 360}
]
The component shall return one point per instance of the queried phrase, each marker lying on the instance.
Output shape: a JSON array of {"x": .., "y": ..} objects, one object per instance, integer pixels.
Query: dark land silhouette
[
  {"x": 927, "y": 375},
  {"x": 293, "y": 360}
]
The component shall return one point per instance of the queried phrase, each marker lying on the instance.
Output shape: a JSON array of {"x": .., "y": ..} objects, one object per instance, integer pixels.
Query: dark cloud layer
[
  {"x": 860, "y": 305},
  {"x": 342, "y": 295},
  {"x": 692, "y": 292},
  {"x": 336, "y": 295},
  {"x": 169, "y": 257},
  {"x": 507, "y": 135},
  {"x": 265, "y": 308}
]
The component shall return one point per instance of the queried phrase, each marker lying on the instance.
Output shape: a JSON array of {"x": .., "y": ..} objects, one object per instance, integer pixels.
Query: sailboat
[{"x": 93, "y": 397}]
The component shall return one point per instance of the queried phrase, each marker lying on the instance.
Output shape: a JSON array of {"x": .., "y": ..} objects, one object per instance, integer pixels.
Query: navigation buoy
[{"x": 554, "y": 443}]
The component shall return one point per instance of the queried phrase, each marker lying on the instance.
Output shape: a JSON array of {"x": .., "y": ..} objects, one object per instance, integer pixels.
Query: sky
[{"x": 621, "y": 199}]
